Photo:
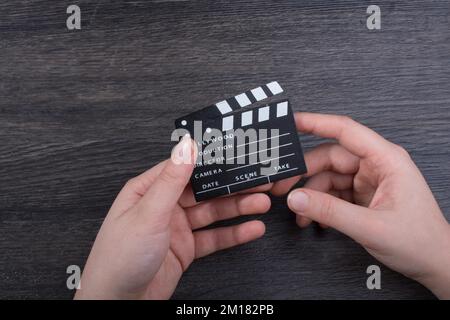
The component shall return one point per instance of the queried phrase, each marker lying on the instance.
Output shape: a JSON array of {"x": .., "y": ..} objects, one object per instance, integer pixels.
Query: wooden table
[{"x": 83, "y": 111}]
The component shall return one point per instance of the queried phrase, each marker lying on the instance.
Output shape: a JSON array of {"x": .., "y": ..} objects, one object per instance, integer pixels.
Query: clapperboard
[{"x": 243, "y": 143}]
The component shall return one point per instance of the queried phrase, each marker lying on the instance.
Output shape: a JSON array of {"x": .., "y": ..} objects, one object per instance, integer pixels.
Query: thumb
[
  {"x": 164, "y": 193},
  {"x": 351, "y": 219}
]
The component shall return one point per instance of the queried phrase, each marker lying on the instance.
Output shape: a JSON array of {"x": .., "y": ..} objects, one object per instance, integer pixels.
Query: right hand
[{"x": 371, "y": 190}]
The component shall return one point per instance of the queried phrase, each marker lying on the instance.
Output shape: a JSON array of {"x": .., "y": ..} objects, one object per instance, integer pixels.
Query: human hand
[
  {"x": 149, "y": 236},
  {"x": 371, "y": 190}
]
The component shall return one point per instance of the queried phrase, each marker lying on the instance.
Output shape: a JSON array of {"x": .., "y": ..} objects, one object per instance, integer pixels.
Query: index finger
[{"x": 356, "y": 138}]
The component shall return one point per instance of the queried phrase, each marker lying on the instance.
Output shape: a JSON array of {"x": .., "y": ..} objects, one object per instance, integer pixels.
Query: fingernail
[
  {"x": 183, "y": 151},
  {"x": 298, "y": 201}
]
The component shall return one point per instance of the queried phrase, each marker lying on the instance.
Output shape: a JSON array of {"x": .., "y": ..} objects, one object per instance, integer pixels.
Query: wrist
[
  {"x": 84, "y": 294},
  {"x": 92, "y": 289},
  {"x": 439, "y": 285},
  {"x": 438, "y": 280}
]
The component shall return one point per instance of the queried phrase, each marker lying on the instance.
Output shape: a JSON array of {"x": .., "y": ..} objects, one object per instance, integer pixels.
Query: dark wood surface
[{"x": 83, "y": 111}]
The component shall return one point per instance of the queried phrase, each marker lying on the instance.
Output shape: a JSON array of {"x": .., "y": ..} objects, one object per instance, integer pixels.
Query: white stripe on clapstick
[
  {"x": 246, "y": 118},
  {"x": 263, "y": 114},
  {"x": 274, "y": 87},
  {"x": 227, "y": 123},
  {"x": 243, "y": 100},
  {"x": 223, "y": 107},
  {"x": 282, "y": 109},
  {"x": 259, "y": 94}
]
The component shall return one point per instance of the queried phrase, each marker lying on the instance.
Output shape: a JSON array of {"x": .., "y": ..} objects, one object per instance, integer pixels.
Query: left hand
[{"x": 149, "y": 236}]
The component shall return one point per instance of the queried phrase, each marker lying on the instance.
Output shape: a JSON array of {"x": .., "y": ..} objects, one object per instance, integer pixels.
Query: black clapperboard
[{"x": 243, "y": 143}]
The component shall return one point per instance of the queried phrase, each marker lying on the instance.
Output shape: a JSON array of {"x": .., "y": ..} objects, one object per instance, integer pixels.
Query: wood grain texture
[{"x": 83, "y": 111}]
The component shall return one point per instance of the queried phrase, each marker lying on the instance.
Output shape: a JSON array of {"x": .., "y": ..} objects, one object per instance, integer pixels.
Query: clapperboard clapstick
[{"x": 242, "y": 145}]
